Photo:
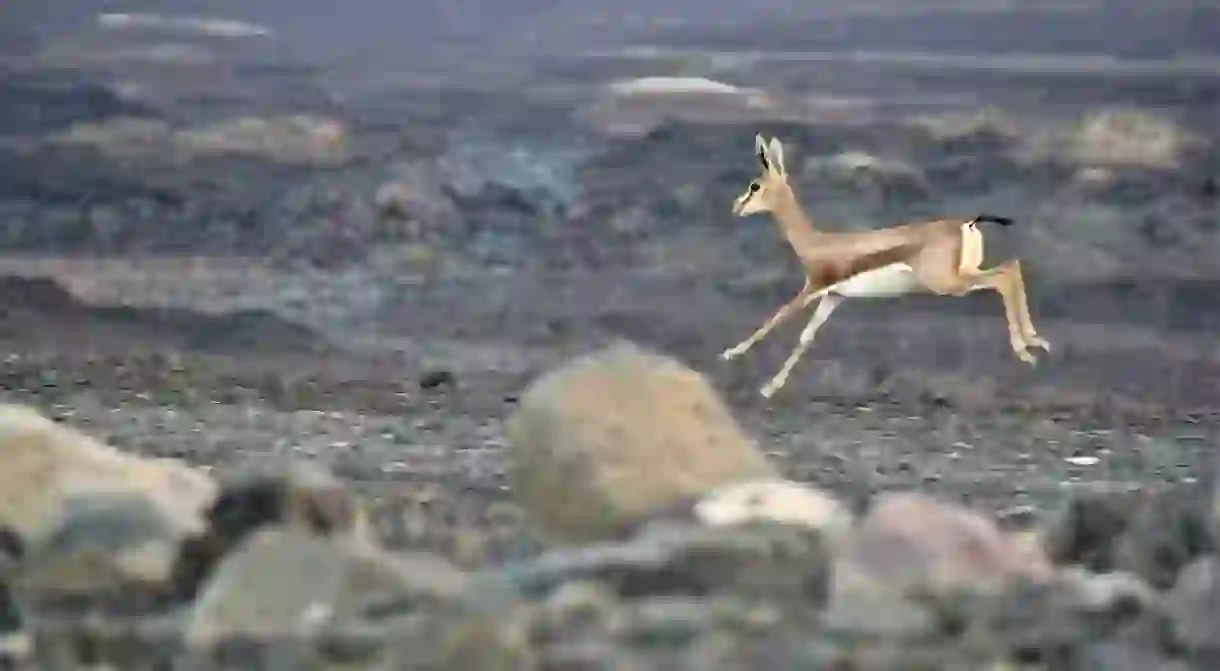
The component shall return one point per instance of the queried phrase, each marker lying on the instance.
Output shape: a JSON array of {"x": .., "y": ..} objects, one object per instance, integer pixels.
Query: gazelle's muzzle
[{"x": 739, "y": 204}]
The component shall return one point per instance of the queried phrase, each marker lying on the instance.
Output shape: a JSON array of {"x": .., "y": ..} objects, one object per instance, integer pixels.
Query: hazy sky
[{"x": 327, "y": 29}]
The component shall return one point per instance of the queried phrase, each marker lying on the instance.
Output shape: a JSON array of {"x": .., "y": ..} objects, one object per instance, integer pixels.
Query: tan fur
[{"x": 944, "y": 256}]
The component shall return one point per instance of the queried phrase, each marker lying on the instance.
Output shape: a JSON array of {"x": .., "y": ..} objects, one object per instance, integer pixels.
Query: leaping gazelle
[{"x": 941, "y": 256}]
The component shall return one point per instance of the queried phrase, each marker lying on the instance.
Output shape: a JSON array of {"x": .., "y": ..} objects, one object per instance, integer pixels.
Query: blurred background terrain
[{"x": 226, "y": 214}]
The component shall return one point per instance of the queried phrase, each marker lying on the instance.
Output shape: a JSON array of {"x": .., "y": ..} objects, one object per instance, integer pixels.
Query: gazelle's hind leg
[
  {"x": 1027, "y": 325},
  {"x": 948, "y": 280},
  {"x": 820, "y": 315},
  {"x": 1007, "y": 281},
  {"x": 1001, "y": 279}
]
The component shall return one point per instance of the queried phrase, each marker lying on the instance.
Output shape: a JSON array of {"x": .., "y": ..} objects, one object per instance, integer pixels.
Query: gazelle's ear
[
  {"x": 776, "y": 156},
  {"x": 760, "y": 150}
]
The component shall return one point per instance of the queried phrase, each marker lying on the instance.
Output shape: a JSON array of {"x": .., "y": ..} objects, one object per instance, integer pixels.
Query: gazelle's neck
[{"x": 796, "y": 226}]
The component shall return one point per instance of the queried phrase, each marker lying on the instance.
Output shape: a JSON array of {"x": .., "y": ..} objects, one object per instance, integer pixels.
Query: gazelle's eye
[{"x": 754, "y": 187}]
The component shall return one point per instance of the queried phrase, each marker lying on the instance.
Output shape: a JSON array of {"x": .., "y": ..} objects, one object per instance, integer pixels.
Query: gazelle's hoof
[
  {"x": 732, "y": 353},
  {"x": 1035, "y": 341},
  {"x": 1028, "y": 358},
  {"x": 769, "y": 390}
]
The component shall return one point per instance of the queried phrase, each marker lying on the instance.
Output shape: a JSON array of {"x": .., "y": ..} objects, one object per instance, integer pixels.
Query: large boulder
[
  {"x": 607, "y": 438},
  {"x": 87, "y": 523},
  {"x": 44, "y": 464}
]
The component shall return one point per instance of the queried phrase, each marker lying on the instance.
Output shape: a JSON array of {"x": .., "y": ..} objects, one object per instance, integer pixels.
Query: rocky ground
[{"x": 371, "y": 284}]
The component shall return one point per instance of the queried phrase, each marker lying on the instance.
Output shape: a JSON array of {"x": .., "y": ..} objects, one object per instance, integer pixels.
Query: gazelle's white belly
[{"x": 896, "y": 279}]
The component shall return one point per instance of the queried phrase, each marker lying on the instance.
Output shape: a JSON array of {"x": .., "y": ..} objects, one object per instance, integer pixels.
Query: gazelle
[{"x": 941, "y": 256}]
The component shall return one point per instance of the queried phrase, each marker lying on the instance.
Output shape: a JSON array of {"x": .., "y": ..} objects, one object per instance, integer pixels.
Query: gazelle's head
[{"x": 764, "y": 191}]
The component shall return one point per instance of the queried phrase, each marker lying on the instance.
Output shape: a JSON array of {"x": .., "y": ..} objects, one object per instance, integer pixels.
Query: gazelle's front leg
[
  {"x": 827, "y": 306},
  {"x": 802, "y": 298}
]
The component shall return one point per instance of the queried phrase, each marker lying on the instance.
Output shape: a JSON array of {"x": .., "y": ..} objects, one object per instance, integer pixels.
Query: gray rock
[
  {"x": 575, "y": 610},
  {"x": 269, "y": 492},
  {"x": 16, "y": 649},
  {"x": 877, "y": 614},
  {"x": 1166, "y": 532},
  {"x": 781, "y": 562},
  {"x": 119, "y": 642},
  {"x": 1194, "y": 605},
  {"x": 1152, "y": 535},
  {"x": 788, "y": 649},
  {"x": 474, "y": 643},
  {"x": 1112, "y": 656},
  {"x": 1053, "y": 622},
  {"x": 284, "y": 583},
  {"x": 113, "y": 551},
  {"x": 589, "y": 655},
  {"x": 1106, "y": 592},
  {"x": 668, "y": 621},
  {"x": 1083, "y": 532}
]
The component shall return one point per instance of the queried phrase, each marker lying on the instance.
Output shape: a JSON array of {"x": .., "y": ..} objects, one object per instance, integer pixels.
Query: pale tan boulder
[
  {"x": 88, "y": 516},
  {"x": 620, "y": 432}
]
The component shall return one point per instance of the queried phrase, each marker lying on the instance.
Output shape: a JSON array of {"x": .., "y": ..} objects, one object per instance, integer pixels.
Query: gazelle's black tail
[{"x": 991, "y": 218}]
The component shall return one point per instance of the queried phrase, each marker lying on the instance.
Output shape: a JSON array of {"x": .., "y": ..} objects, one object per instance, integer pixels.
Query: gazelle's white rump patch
[{"x": 972, "y": 249}]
